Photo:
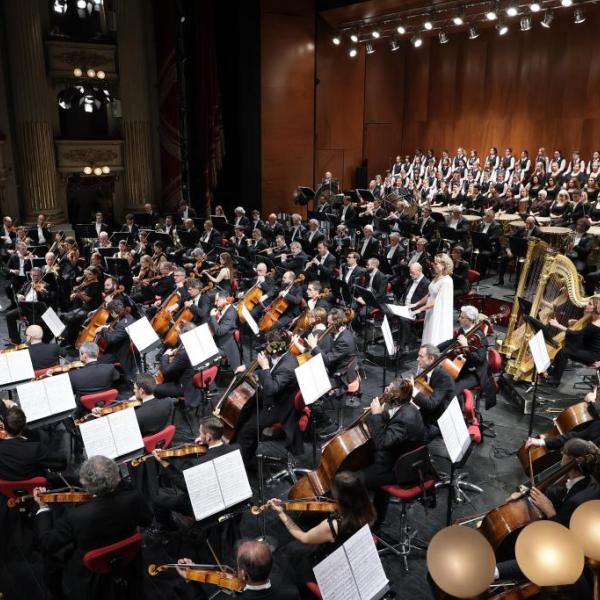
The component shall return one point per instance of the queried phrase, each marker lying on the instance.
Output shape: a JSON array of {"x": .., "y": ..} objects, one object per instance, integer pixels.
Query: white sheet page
[
  {"x": 4, "y": 370},
  {"x": 142, "y": 334},
  {"x": 454, "y": 431},
  {"x": 401, "y": 311},
  {"x": 52, "y": 320},
  {"x": 366, "y": 564},
  {"x": 335, "y": 578},
  {"x": 203, "y": 490},
  {"x": 199, "y": 344},
  {"x": 97, "y": 438},
  {"x": 313, "y": 379},
  {"x": 250, "y": 320},
  {"x": 388, "y": 338},
  {"x": 60, "y": 393},
  {"x": 33, "y": 400},
  {"x": 125, "y": 431},
  {"x": 20, "y": 366},
  {"x": 233, "y": 478}
]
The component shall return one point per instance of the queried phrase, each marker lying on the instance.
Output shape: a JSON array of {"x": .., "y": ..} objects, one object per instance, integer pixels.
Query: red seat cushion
[
  {"x": 494, "y": 360},
  {"x": 313, "y": 588},
  {"x": 407, "y": 494},
  {"x": 475, "y": 431},
  {"x": 9, "y": 489},
  {"x": 89, "y": 401},
  {"x": 104, "y": 560},
  {"x": 205, "y": 378}
]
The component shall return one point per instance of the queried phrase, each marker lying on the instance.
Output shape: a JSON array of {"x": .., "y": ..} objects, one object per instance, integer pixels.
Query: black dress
[{"x": 581, "y": 346}]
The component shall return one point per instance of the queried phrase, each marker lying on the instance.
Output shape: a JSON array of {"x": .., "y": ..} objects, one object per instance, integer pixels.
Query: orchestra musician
[
  {"x": 313, "y": 293},
  {"x": 296, "y": 261},
  {"x": 323, "y": 265},
  {"x": 369, "y": 248},
  {"x": 313, "y": 235},
  {"x": 297, "y": 230},
  {"x": 43, "y": 355},
  {"x": 19, "y": 264},
  {"x": 375, "y": 282},
  {"x": 348, "y": 214},
  {"x": 185, "y": 211},
  {"x": 240, "y": 218},
  {"x": 416, "y": 288},
  {"x": 292, "y": 292},
  {"x": 223, "y": 323},
  {"x": 130, "y": 226},
  {"x": 351, "y": 272},
  {"x": 210, "y": 236},
  {"x": 581, "y": 246},
  {"x": 40, "y": 234},
  {"x": 154, "y": 414}
]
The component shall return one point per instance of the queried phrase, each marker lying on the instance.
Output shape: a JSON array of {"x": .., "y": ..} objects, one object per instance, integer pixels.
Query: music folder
[
  {"x": 15, "y": 366},
  {"x": 367, "y": 296},
  {"x": 46, "y": 398},
  {"x": 354, "y": 571},
  {"x": 313, "y": 379},
  {"x": 142, "y": 334},
  {"x": 199, "y": 344}
]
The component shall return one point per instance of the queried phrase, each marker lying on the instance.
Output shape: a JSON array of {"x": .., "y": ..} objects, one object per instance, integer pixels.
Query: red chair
[
  {"x": 314, "y": 589},
  {"x": 162, "y": 439},
  {"x": 106, "y": 398},
  {"x": 237, "y": 336},
  {"x": 14, "y": 489},
  {"x": 202, "y": 381},
  {"x": 470, "y": 414},
  {"x": 473, "y": 276},
  {"x": 113, "y": 557}
]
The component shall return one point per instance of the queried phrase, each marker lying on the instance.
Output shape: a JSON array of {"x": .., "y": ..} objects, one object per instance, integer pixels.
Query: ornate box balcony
[
  {"x": 64, "y": 56},
  {"x": 72, "y": 156}
]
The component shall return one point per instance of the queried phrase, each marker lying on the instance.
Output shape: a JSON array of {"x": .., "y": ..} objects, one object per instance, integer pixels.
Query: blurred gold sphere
[{"x": 585, "y": 525}]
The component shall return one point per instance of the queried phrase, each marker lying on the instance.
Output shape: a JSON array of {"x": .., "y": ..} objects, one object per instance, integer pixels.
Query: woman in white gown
[{"x": 438, "y": 305}]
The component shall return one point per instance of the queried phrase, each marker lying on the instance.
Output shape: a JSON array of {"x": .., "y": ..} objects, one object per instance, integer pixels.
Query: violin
[
  {"x": 202, "y": 574},
  {"x": 109, "y": 410},
  {"x": 14, "y": 348},
  {"x": 315, "y": 505},
  {"x": 177, "y": 452},
  {"x": 76, "y": 364},
  {"x": 56, "y": 497}
]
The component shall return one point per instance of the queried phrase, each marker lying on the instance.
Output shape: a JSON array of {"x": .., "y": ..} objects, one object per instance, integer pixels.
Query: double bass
[
  {"x": 185, "y": 315},
  {"x": 276, "y": 309}
]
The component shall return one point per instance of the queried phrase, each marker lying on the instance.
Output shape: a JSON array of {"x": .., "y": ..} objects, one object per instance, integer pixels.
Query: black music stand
[
  {"x": 118, "y": 267},
  {"x": 107, "y": 252},
  {"x": 159, "y": 236},
  {"x": 221, "y": 224},
  {"x": 341, "y": 290},
  {"x": 481, "y": 243},
  {"x": 85, "y": 230},
  {"x": 304, "y": 195},
  {"x": 518, "y": 247},
  {"x": 188, "y": 240},
  {"x": 365, "y": 195},
  {"x": 39, "y": 250},
  {"x": 144, "y": 220},
  {"x": 119, "y": 236}
]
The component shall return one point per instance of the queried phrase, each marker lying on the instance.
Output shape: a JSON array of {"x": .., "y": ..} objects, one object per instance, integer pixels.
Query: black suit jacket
[
  {"x": 460, "y": 277},
  {"x": 420, "y": 292},
  {"x": 535, "y": 232},
  {"x": 154, "y": 415},
  {"x": 433, "y": 406},
  {"x": 134, "y": 229},
  {"x": 341, "y": 357},
  {"x": 118, "y": 347},
  {"x": 316, "y": 238},
  {"x": 44, "y": 355},
  {"x": 93, "y": 377},
  {"x": 357, "y": 276},
  {"x": 426, "y": 227},
  {"x": 296, "y": 235},
  {"x": 295, "y": 263},
  {"x": 371, "y": 250},
  {"x": 191, "y": 213},
  {"x": 294, "y": 298},
  {"x": 32, "y": 233},
  {"x": 223, "y": 334},
  {"x": 272, "y": 231},
  {"x": 325, "y": 272},
  {"x": 214, "y": 238},
  {"x": 180, "y": 371},
  {"x": 23, "y": 459},
  {"x": 278, "y": 592},
  {"x": 379, "y": 284}
]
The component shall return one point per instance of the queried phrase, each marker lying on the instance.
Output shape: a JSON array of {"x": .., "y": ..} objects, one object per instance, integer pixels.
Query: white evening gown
[{"x": 438, "y": 321}]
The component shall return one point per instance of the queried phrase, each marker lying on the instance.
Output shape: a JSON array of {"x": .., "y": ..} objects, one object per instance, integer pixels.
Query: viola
[
  {"x": 56, "y": 497},
  {"x": 185, "y": 315},
  {"x": 275, "y": 310},
  {"x": 315, "y": 505},
  {"x": 177, "y": 452},
  {"x": 203, "y": 574},
  {"x": 109, "y": 410}
]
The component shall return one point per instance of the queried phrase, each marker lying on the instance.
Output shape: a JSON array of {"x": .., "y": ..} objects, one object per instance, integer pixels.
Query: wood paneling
[{"x": 287, "y": 107}]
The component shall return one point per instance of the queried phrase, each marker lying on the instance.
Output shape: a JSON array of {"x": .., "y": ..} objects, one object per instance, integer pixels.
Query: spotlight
[
  {"x": 106, "y": 170},
  {"x": 525, "y": 23},
  {"x": 77, "y": 72},
  {"x": 375, "y": 33},
  {"x": 337, "y": 40},
  {"x": 60, "y": 6},
  {"x": 548, "y": 18},
  {"x": 473, "y": 33},
  {"x": 97, "y": 171},
  {"x": 354, "y": 38},
  {"x": 91, "y": 73},
  {"x": 81, "y": 4},
  {"x": 394, "y": 45},
  {"x": 370, "y": 49},
  {"x": 443, "y": 38},
  {"x": 428, "y": 25},
  {"x": 535, "y": 7},
  {"x": 502, "y": 29},
  {"x": 512, "y": 11},
  {"x": 64, "y": 99},
  {"x": 458, "y": 20},
  {"x": 87, "y": 170},
  {"x": 491, "y": 15},
  {"x": 566, "y": 3},
  {"x": 401, "y": 30},
  {"x": 579, "y": 16},
  {"x": 416, "y": 41},
  {"x": 98, "y": 4},
  {"x": 100, "y": 74},
  {"x": 352, "y": 52}
]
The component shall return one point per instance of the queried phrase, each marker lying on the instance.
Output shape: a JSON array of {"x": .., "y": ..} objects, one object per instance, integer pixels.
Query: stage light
[
  {"x": 579, "y": 16},
  {"x": 370, "y": 49},
  {"x": 64, "y": 99},
  {"x": 81, "y": 4},
  {"x": 566, "y": 3},
  {"x": 428, "y": 25},
  {"x": 97, "y": 171},
  {"x": 60, "y": 6},
  {"x": 87, "y": 170},
  {"x": 547, "y": 20},
  {"x": 443, "y": 38},
  {"x": 512, "y": 11},
  {"x": 525, "y": 23},
  {"x": 394, "y": 45},
  {"x": 354, "y": 38},
  {"x": 416, "y": 41},
  {"x": 352, "y": 52},
  {"x": 491, "y": 15},
  {"x": 401, "y": 30},
  {"x": 535, "y": 7},
  {"x": 502, "y": 28},
  {"x": 77, "y": 72},
  {"x": 106, "y": 170},
  {"x": 473, "y": 33},
  {"x": 98, "y": 4},
  {"x": 337, "y": 40},
  {"x": 375, "y": 33},
  {"x": 100, "y": 74},
  {"x": 458, "y": 20},
  {"x": 91, "y": 73}
]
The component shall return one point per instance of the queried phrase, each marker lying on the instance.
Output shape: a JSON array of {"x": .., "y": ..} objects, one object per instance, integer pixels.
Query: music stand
[
  {"x": 481, "y": 243},
  {"x": 30, "y": 309},
  {"x": 365, "y": 195},
  {"x": 38, "y": 262},
  {"x": 119, "y": 236},
  {"x": 144, "y": 220},
  {"x": 107, "y": 252},
  {"x": 118, "y": 267},
  {"x": 187, "y": 240},
  {"x": 518, "y": 247},
  {"x": 341, "y": 291},
  {"x": 158, "y": 236},
  {"x": 220, "y": 223},
  {"x": 367, "y": 296}
]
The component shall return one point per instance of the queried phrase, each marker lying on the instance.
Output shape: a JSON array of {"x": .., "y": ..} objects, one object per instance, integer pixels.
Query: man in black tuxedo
[
  {"x": 155, "y": 413},
  {"x": 99, "y": 225},
  {"x": 185, "y": 211},
  {"x": 93, "y": 376},
  {"x": 375, "y": 281},
  {"x": 394, "y": 255},
  {"x": 273, "y": 228},
  {"x": 313, "y": 291},
  {"x": 296, "y": 261},
  {"x": 240, "y": 219},
  {"x": 115, "y": 336},
  {"x": 21, "y": 458},
  {"x": 266, "y": 283},
  {"x": 42, "y": 355},
  {"x": 348, "y": 214},
  {"x": 19, "y": 264},
  {"x": 112, "y": 515},
  {"x": 417, "y": 287},
  {"x": 351, "y": 273},
  {"x": 460, "y": 275},
  {"x": 297, "y": 231},
  {"x": 292, "y": 292},
  {"x": 130, "y": 225},
  {"x": 369, "y": 247},
  {"x": 313, "y": 235},
  {"x": 426, "y": 224},
  {"x": 493, "y": 230},
  {"x": 531, "y": 230},
  {"x": 277, "y": 379},
  {"x": 39, "y": 233},
  {"x": 323, "y": 265},
  {"x": 257, "y": 244},
  {"x": 210, "y": 235},
  {"x": 442, "y": 385},
  {"x": 583, "y": 243},
  {"x": 223, "y": 322},
  {"x": 476, "y": 370}
]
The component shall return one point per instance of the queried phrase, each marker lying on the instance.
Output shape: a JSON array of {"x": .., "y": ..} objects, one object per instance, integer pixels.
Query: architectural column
[
  {"x": 134, "y": 79},
  {"x": 32, "y": 105}
]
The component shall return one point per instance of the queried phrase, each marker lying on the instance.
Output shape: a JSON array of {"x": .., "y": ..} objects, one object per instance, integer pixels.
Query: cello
[
  {"x": 276, "y": 309},
  {"x": 96, "y": 320},
  {"x": 185, "y": 315},
  {"x": 251, "y": 298},
  {"x": 163, "y": 319}
]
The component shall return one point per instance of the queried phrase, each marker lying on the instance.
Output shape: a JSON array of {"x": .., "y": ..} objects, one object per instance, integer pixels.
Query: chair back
[
  {"x": 90, "y": 401},
  {"x": 473, "y": 276},
  {"x": 302, "y": 411},
  {"x": 161, "y": 439},
  {"x": 114, "y": 556},
  {"x": 14, "y": 489},
  {"x": 414, "y": 466},
  {"x": 206, "y": 377},
  {"x": 494, "y": 360}
]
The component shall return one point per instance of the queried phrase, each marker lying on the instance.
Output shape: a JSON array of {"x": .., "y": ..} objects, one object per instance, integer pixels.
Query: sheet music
[
  {"x": 335, "y": 578},
  {"x": 199, "y": 344},
  {"x": 388, "y": 338},
  {"x": 233, "y": 478},
  {"x": 97, "y": 438},
  {"x": 4, "y": 370},
  {"x": 125, "y": 431},
  {"x": 454, "y": 431},
  {"x": 366, "y": 565},
  {"x": 401, "y": 311},
  {"x": 313, "y": 379},
  {"x": 52, "y": 320},
  {"x": 537, "y": 345},
  {"x": 59, "y": 393},
  {"x": 33, "y": 400},
  {"x": 250, "y": 320},
  {"x": 142, "y": 334},
  {"x": 19, "y": 365},
  {"x": 204, "y": 491}
]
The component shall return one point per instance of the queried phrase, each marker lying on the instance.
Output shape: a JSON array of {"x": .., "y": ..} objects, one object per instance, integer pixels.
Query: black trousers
[{"x": 577, "y": 354}]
